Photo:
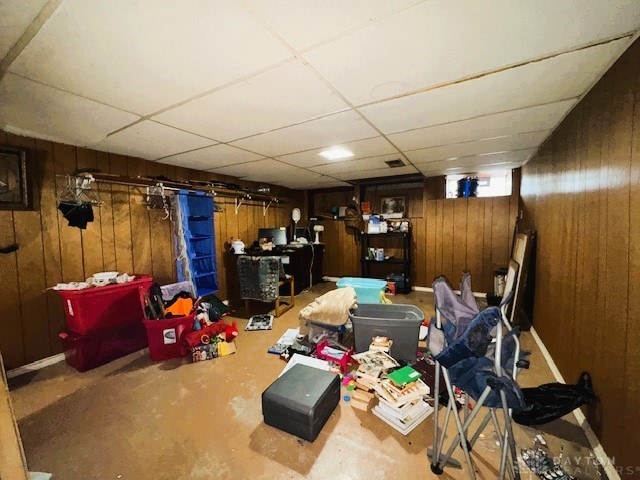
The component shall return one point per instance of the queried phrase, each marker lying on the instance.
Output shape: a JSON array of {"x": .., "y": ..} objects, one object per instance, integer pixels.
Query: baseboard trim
[
  {"x": 609, "y": 468},
  {"x": 37, "y": 365}
]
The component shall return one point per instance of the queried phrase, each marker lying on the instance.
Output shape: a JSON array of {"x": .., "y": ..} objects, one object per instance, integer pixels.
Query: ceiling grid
[{"x": 259, "y": 88}]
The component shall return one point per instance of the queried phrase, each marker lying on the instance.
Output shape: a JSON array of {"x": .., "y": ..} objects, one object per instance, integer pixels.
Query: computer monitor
[{"x": 278, "y": 236}]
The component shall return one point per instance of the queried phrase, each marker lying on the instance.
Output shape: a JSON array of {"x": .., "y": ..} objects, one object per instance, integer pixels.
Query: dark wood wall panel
[
  {"x": 49, "y": 227},
  {"x": 160, "y": 245},
  {"x": 419, "y": 245},
  {"x": 581, "y": 194},
  {"x": 341, "y": 256},
  {"x": 121, "y": 216},
  {"x": 92, "y": 257},
  {"x": 11, "y": 338},
  {"x": 31, "y": 275},
  {"x": 124, "y": 236},
  {"x": 632, "y": 346},
  {"x": 140, "y": 233},
  {"x": 64, "y": 158},
  {"x": 107, "y": 233}
]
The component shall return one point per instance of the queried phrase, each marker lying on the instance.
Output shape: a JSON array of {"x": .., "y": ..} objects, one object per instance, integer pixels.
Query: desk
[{"x": 301, "y": 260}]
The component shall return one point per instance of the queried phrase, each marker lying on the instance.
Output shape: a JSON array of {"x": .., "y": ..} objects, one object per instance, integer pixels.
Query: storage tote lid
[{"x": 357, "y": 282}]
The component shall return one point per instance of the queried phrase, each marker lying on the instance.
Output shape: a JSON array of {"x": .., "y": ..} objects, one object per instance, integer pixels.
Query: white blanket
[{"x": 332, "y": 308}]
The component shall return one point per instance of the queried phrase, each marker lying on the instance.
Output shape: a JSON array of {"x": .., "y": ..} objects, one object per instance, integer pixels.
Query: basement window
[{"x": 490, "y": 184}]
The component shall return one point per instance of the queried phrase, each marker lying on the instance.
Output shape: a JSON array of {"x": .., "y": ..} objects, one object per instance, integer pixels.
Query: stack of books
[
  {"x": 361, "y": 399},
  {"x": 401, "y": 398},
  {"x": 372, "y": 366}
]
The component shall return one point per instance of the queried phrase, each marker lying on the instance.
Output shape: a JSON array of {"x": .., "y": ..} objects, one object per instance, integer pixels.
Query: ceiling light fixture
[{"x": 336, "y": 153}]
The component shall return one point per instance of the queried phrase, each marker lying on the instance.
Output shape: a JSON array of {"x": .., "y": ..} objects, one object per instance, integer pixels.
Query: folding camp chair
[{"x": 474, "y": 353}]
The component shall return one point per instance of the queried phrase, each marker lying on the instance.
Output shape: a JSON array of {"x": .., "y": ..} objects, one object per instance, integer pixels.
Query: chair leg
[{"x": 280, "y": 310}]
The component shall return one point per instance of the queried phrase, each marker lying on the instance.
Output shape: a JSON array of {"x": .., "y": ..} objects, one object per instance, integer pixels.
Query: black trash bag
[{"x": 554, "y": 400}]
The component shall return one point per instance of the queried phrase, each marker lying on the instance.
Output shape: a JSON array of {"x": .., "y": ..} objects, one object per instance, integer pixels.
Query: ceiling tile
[
  {"x": 268, "y": 165},
  {"x": 146, "y": 55},
  {"x": 15, "y": 17},
  {"x": 289, "y": 94},
  {"x": 360, "y": 149},
  {"x": 543, "y": 117},
  {"x": 327, "y": 131},
  {"x": 376, "y": 173},
  {"x": 371, "y": 163},
  {"x": 29, "y": 108},
  {"x": 211, "y": 157},
  {"x": 305, "y": 22},
  {"x": 437, "y": 42},
  {"x": 475, "y": 163},
  {"x": 322, "y": 182},
  {"x": 499, "y": 144},
  {"x": 272, "y": 173},
  {"x": 151, "y": 140},
  {"x": 558, "y": 78}
]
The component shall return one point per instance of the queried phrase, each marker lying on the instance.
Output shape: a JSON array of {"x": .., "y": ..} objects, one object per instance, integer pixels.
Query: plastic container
[
  {"x": 467, "y": 187},
  {"x": 102, "y": 308},
  {"x": 166, "y": 337},
  {"x": 84, "y": 352},
  {"x": 399, "y": 281},
  {"x": 400, "y": 323},
  {"x": 368, "y": 290}
]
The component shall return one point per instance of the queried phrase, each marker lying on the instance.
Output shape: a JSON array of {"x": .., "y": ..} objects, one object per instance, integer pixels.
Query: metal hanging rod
[{"x": 174, "y": 186}]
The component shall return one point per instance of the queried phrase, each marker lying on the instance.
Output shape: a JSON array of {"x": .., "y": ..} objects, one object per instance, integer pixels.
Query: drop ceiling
[{"x": 257, "y": 89}]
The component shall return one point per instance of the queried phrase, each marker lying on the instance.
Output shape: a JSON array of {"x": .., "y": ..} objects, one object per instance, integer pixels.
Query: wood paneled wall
[
  {"x": 124, "y": 236},
  {"x": 448, "y": 235},
  {"x": 581, "y": 192},
  {"x": 461, "y": 234},
  {"x": 341, "y": 252}
]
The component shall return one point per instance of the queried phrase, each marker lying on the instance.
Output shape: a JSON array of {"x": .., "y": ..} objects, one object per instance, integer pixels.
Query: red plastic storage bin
[
  {"x": 101, "y": 308},
  {"x": 84, "y": 352},
  {"x": 166, "y": 337}
]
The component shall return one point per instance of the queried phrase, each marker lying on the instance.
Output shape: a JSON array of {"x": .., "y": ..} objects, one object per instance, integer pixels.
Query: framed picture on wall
[
  {"x": 393, "y": 207},
  {"x": 14, "y": 185}
]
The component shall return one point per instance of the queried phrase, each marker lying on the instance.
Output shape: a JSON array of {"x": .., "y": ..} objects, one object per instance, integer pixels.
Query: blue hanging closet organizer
[{"x": 195, "y": 241}]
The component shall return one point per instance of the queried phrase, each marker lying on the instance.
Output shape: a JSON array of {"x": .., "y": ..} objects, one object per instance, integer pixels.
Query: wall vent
[{"x": 395, "y": 163}]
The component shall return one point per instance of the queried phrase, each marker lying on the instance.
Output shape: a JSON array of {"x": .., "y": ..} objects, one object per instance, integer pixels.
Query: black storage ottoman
[{"x": 301, "y": 401}]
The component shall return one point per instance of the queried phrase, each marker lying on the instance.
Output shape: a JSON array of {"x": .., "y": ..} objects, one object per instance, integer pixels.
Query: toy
[
  {"x": 204, "y": 352},
  {"x": 342, "y": 358},
  {"x": 202, "y": 319},
  {"x": 231, "y": 332},
  {"x": 208, "y": 332}
]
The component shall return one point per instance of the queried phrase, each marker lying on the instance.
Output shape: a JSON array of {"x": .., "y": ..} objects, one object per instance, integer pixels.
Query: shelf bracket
[
  {"x": 265, "y": 208},
  {"x": 239, "y": 203}
]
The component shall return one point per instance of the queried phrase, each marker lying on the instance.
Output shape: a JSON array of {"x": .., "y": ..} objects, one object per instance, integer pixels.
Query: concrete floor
[{"x": 137, "y": 419}]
